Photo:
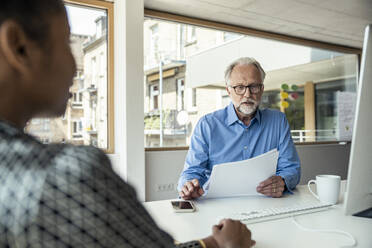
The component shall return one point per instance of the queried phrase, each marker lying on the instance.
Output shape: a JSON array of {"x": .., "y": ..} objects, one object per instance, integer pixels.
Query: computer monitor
[{"x": 358, "y": 196}]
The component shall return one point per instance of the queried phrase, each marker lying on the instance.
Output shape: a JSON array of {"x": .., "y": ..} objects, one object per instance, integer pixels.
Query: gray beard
[{"x": 248, "y": 109}]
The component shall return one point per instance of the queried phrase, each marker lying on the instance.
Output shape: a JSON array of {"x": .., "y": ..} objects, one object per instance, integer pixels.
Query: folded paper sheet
[{"x": 242, "y": 177}]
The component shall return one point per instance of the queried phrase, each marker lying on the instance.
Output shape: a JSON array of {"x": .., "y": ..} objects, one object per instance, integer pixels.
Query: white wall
[
  {"x": 129, "y": 157},
  {"x": 164, "y": 167},
  {"x": 162, "y": 172},
  {"x": 323, "y": 159}
]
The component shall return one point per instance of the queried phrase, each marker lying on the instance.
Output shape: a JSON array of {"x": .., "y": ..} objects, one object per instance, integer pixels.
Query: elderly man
[
  {"x": 62, "y": 195},
  {"x": 241, "y": 131}
]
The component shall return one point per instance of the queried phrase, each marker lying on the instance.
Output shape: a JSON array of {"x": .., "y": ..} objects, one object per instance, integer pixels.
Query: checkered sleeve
[{"x": 84, "y": 203}]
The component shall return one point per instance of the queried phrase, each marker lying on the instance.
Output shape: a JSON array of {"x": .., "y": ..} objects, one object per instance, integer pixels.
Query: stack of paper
[{"x": 242, "y": 177}]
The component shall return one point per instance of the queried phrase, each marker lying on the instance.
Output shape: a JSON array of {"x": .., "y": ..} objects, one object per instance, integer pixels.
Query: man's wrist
[{"x": 285, "y": 185}]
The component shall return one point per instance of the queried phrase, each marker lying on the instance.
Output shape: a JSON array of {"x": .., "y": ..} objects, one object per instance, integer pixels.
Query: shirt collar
[{"x": 232, "y": 117}]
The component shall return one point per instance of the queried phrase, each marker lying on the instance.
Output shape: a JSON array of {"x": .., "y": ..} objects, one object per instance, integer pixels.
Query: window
[
  {"x": 327, "y": 106},
  {"x": 46, "y": 126},
  {"x": 93, "y": 70},
  {"x": 230, "y": 36},
  {"x": 193, "y": 97},
  {"x": 89, "y": 113},
  {"x": 154, "y": 30},
  {"x": 77, "y": 100},
  {"x": 77, "y": 127},
  {"x": 191, "y": 34},
  {"x": 180, "y": 94},
  {"x": 154, "y": 92},
  {"x": 307, "y": 83},
  {"x": 78, "y": 74},
  {"x": 225, "y": 99}
]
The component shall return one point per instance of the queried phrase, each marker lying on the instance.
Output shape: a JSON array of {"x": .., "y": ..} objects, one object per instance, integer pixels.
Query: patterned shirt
[{"x": 68, "y": 196}]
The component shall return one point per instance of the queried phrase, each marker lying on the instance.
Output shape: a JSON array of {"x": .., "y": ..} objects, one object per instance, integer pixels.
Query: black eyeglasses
[{"x": 253, "y": 88}]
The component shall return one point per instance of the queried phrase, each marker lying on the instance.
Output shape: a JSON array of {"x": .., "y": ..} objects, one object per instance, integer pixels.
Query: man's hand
[
  {"x": 191, "y": 190},
  {"x": 232, "y": 234},
  {"x": 273, "y": 186}
]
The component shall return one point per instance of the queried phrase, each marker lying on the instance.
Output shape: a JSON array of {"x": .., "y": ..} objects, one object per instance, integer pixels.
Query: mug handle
[{"x": 308, "y": 185}]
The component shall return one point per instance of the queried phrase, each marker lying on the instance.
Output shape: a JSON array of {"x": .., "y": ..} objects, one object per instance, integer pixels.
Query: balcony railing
[
  {"x": 314, "y": 135},
  {"x": 170, "y": 124}
]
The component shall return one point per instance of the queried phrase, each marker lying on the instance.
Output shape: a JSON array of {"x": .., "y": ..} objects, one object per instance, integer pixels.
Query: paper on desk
[{"x": 242, "y": 177}]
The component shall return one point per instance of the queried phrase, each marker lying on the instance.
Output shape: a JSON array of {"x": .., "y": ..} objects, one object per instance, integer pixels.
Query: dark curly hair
[{"x": 31, "y": 15}]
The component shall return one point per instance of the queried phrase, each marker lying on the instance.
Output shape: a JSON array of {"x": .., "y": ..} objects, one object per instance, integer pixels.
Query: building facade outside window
[
  {"x": 308, "y": 84},
  {"x": 86, "y": 120}
]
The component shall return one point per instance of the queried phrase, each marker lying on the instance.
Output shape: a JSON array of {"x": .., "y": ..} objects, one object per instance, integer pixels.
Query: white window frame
[
  {"x": 77, "y": 100},
  {"x": 79, "y": 127},
  {"x": 77, "y": 130}
]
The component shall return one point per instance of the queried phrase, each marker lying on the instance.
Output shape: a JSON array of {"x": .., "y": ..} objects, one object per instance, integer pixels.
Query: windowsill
[
  {"x": 77, "y": 105},
  {"x": 340, "y": 142},
  {"x": 180, "y": 148}
]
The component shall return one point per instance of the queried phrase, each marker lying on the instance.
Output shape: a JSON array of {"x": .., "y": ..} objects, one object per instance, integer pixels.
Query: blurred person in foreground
[{"x": 62, "y": 195}]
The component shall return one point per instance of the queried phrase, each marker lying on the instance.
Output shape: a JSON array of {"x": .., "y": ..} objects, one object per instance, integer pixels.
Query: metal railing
[
  {"x": 170, "y": 124},
  {"x": 314, "y": 135}
]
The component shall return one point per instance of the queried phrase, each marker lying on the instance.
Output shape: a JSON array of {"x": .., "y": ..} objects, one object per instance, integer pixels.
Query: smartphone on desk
[{"x": 183, "y": 206}]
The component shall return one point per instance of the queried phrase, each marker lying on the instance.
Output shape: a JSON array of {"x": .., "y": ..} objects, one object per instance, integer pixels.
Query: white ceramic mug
[{"x": 327, "y": 187}]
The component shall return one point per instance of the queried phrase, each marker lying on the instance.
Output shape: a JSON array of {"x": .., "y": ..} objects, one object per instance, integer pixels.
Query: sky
[{"x": 82, "y": 19}]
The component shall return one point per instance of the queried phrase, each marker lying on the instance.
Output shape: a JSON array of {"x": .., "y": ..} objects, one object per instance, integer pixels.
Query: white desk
[{"x": 275, "y": 233}]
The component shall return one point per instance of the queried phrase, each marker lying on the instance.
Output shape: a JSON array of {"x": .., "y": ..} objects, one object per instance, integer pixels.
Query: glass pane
[
  {"x": 85, "y": 119},
  {"x": 308, "y": 84}
]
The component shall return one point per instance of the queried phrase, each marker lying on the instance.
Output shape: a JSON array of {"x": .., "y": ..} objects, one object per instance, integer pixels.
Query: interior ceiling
[{"x": 339, "y": 22}]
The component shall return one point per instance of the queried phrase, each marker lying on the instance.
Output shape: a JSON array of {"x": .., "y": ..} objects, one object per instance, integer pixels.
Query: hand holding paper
[
  {"x": 242, "y": 177},
  {"x": 273, "y": 187}
]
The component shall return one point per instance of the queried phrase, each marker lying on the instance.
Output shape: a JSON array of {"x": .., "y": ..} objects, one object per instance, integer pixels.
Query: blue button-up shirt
[{"x": 220, "y": 137}]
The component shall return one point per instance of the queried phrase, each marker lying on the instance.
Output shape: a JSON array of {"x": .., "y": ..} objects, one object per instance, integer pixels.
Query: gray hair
[{"x": 243, "y": 61}]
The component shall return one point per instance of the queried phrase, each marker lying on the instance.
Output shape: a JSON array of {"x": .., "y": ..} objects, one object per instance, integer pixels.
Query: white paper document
[{"x": 242, "y": 177}]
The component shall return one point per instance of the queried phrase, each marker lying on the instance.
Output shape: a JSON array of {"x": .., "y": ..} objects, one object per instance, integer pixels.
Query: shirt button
[{"x": 246, "y": 147}]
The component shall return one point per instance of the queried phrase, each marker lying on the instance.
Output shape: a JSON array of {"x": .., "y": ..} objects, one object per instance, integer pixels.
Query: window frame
[
  {"x": 154, "y": 94},
  {"x": 181, "y": 19},
  {"x": 109, "y": 8}
]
